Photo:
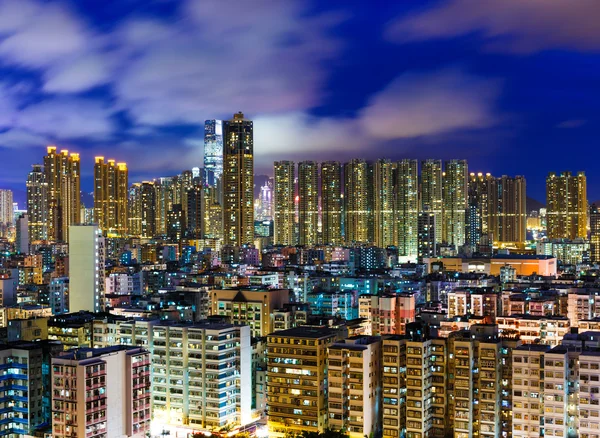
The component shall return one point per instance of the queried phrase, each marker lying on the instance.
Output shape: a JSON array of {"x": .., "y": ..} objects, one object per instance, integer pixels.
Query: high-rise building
[
  {"x": 86, "y": 268},
  {"x": 594, "y": 234},
  {"x": 354, "y": 374},
  {"x": 383, "y": 203},
  {"x": 37, "y": 204},
  {"x": 358, "y": 225},
  {"x": 64, "y": 195},
  {"x": 407, "y": 208},
  {"x": 22, "y": 234},
  {"x": 414, "y": 395},
  {"x": 508, "y": 214},
  {"x": 148, "y": 209},
  {"x": 176, "y": 223},
  {"x": 213, "y": 214},
  {"x": 110, "y": 196},
  {"x": 566, "y": 203},
  {"x": 195, "y": 212},
  {"x": 238, "y": 181},
  {"x": 165, "y": 190},
  {"x": 201, "y": 375},
  {"x": 213, "y": 152},
  {"x": 6, "y": 209},
  {"x": 431, "y": 193},
  {"x": 264, "y": 203},
  {"x": 297, "y": 380},
  {"x": 101, "y": 392},
  {"x": 284, "y": 194},
  {"x": 480, "y": 193},
  {"x": 331, "y": 203},
  {"x": 496, "y": 209},
  {"x": 308, "y": 203},
  {"x": 426, "y": 246},
  {"x": 24, "y": 395},
  {"x": 454, "y": 194}
]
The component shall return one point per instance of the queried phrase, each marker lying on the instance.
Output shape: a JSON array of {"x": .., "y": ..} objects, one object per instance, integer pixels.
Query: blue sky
[{"x": 512, "y": 86}]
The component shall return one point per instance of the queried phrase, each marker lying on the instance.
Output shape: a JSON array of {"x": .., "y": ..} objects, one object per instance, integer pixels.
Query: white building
[
  {"x": 201, "y": 376},
  {"x": 528, "y": 395},
  {"x": 86, "y": 268},
  {"x": 354, "y": 378}
]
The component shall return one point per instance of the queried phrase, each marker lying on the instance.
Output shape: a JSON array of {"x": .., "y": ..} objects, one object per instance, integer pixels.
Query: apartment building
[
  {"x": 528, "y": 394},
  {"x": 415, "y": 373},
  {"x": 354, "y": 385},
  {"x": 22, "y": 387},
  {"x": 546, "y": 330},
  {"x": 201, "y": 376},
  {"x": 582, "y": 304},
  {"x": 252, "y": 307},
  {"x": 475, "y": 301},
  {"x": 101, "y": 392},
  {"x": 297, "y": 380},
  {"x": 474, "y": 406},
  {"x": 387, "y": 314},
  {"x": 555, "y": 390}
]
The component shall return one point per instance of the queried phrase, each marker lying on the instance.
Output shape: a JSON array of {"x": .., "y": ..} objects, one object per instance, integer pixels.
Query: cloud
[
  {"x": 81, "y": 74},
  {"x": 67, "y": 118},
  {"x": 510, "y": 25},
  {"x": 413, "y": 105},
  {"x": 262, "y": 57},
  {"x": 429, "y": 104},
  {"x": 19, "y": 138},
  {"x": 39, "y": 34},
  {"x": 573, "y": 123}
]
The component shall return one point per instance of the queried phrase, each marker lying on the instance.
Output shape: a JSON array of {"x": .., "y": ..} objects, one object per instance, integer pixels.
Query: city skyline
[
  {"x": 299, "y": 218},
  {"x": 337, "y": 79}
]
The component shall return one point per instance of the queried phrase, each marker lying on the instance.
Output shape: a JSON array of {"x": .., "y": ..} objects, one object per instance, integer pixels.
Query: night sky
[{"x": 513, "y": 86}]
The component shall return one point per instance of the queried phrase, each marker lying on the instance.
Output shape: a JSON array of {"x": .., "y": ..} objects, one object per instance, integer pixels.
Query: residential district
[{"x": 381, "y": 299}]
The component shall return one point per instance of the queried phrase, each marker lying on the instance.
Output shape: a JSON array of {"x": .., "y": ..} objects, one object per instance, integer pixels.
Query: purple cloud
[
  {"x": 67, "y": 118},
  {"x": 413, "y": 105},
  {"x": 510, "y": 25},
  {"x": 429, "y": 104}
]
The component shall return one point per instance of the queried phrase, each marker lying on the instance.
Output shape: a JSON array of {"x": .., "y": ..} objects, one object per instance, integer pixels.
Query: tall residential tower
[{"x": 238, "y": 181}]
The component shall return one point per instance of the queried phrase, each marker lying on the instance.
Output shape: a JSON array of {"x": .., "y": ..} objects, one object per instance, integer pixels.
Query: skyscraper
[
  {"x": 594, "y": 233},
  {"x": 134, "y": 225},
  {"x": 195, "y": 212},
  {"x": 148, "y": 209},
  {"x": 213, "y": 151},
  {"x": 165, "y": 196},
  {"x": 110, "y": 196},
  {"x": 496, "y": 209},
  {"x": 431, "y": 192},
  {"x": 63, "y": 178},
  {"x": 383, "y": 203},
  {"x": 37, "y": 204},
  {"x": 284, "y": 194},
  {"x": 6, "y": 209},
  {"x": 331, "y": 202},
  {"x": 238, "y": 181},
  {"x": 22, "y": 234},
  {"x": 407, "y": 208},
  {"x": 357, "y": 211},
  {"x": 426, "y": 235},
  {"x": 566, "y": 203},
  {"x": 454, "y": 194},
  {"x": 86, "y": 267},
  {"x": 508, "y": 215},
  {"x": 308, "y": 202},
  {"x": 480, "y": 192}
]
